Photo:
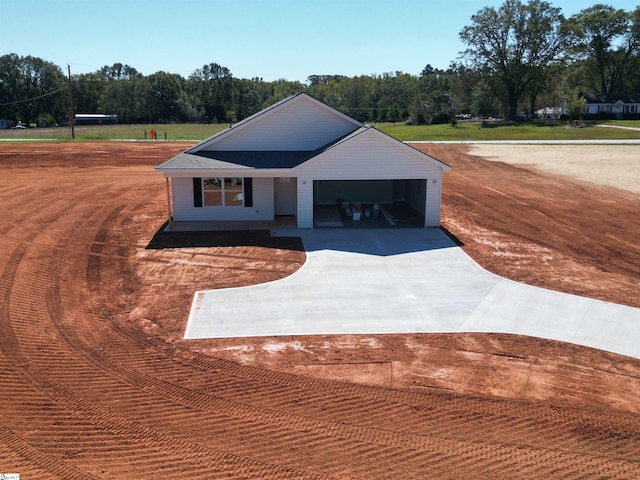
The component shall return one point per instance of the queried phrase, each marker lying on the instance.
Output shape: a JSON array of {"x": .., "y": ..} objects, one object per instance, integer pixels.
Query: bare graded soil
[{"x": 96, "y": 381}]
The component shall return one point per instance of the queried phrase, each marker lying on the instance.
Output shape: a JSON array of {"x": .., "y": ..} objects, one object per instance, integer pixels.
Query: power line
[{"x": 33, "y": 98}]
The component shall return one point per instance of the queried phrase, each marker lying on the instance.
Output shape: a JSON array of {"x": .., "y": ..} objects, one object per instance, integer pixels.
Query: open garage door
[{"x": 369, "y": 203}]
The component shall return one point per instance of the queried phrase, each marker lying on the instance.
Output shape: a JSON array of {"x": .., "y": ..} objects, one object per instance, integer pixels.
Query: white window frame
[{"x": 223, "y": 191}]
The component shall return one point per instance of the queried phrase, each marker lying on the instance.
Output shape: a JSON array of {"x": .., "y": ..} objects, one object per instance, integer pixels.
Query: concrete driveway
[{"x": 405, "y": 281}]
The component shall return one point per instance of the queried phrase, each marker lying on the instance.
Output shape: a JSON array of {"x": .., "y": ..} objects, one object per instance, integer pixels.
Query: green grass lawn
[
  {"x": 625, "y": 123},
  {"x": 474, "y": 131},
  {"x": 177, "y": 132},
  {"x": 464, "y": 131}
]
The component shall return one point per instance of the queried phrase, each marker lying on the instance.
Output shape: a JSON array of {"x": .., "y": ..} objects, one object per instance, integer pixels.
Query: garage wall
[
  {"x": 416, "y": 195},
  {"x": 400, "y": 190},
  {"x": 364, "y": 191},
  {"x": 434, "y": 199},
  {"x": 184, "y": 211}
]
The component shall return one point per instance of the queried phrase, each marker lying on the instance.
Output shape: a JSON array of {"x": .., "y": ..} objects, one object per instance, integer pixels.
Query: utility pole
[{"x": 71, "y": 114}]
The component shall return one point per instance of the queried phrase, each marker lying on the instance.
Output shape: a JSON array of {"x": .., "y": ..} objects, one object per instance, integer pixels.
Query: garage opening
[{"x": 369, "y": 203}]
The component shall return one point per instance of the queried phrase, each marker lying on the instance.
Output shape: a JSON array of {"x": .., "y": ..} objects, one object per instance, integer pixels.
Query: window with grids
[{"x": 223, "y": 192}]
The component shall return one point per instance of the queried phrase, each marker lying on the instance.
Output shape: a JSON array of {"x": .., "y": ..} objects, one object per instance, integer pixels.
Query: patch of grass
[
  {"x": 624, "y": 123},
  {"x": 475, "y": 131},
  {"x": 464, "y": 131},
  {"x": 177, "y": 132}
]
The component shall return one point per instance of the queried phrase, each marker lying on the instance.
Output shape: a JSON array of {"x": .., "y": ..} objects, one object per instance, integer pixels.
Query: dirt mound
[{"x": 97, "y": 382}]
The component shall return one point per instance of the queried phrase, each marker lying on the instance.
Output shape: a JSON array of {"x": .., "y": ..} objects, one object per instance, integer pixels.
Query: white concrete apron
[{"x": 405, "y": 281}]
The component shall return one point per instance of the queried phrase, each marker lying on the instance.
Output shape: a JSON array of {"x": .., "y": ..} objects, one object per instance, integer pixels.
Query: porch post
[
  {"x": 305, "y": 203},
  {"x": 169, "y": 212}
]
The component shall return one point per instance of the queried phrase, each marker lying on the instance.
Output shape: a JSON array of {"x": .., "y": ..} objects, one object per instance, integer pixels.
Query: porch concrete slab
[{"x": 405, "y": 281}]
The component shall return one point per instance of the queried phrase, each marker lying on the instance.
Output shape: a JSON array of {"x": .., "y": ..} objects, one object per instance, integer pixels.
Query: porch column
[
  {"x": 433, "y": 199},
  {"x": 305, "y": 203},
  {"x": 169, "y": 209}
]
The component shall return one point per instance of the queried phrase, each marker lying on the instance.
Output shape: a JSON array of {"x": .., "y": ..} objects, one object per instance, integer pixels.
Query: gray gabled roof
[
  {"x": 400, "y": 144},
  {"x": 622, "y": 97},
  {"x": 204, "y": 156},
  {"x": 253, "y": 118},
  {"x": 216, "y": 159},
  {"x": 236, "y": 159}
]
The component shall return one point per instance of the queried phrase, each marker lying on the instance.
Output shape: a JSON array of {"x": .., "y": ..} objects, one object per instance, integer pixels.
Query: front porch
[{"x": 280, "y": 222}]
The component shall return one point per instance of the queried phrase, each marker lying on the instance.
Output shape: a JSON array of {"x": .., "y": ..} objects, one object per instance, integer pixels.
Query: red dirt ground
[{"x": 96, "y": 381}]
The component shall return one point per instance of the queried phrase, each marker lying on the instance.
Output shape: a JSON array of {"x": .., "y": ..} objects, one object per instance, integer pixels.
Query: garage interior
[{"x": 369, "y": 203}]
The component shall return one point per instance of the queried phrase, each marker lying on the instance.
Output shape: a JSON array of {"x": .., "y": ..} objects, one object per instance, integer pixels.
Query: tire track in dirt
[
  {"x": 122, "y": 432},
  {"x": 245, "y": 379},
  {"x": 349, "y": 407},
  {"x": 572, "y": 220},
  {"x": 179, "y": 395},
  {"x": 137, "y": 379},
  {"x": 104, "y": 391},
  {"x": 14, "y": 389}
]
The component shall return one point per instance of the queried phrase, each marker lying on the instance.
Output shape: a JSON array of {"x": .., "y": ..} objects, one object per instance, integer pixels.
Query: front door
[{"x": 285, "y": 195}]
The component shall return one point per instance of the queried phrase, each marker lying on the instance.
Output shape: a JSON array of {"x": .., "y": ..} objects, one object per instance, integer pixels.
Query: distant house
[
  {"x": 613, "y": 106},
  {"x": 95, "y": 119},
  {"x": 294, "y": 158}
]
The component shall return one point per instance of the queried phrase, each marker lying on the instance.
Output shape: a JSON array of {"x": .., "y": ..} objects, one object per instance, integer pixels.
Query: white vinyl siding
[
  {"x": 593, "y": 109},
  {"x": 369, "y": 157},
  {"x": 434, "y": 200},
  {"x": 329, "y": 192},
  {"x": 302, "y": 126},
  {"x": 305, "y": 203},
  {"x": 184, "y": 210},
  {"x": 372, "y": 156}
]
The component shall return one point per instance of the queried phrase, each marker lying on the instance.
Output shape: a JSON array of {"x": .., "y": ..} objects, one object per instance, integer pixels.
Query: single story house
[
  {"x": 293, "y": 158},
  {"x": 617, "y": 106}
]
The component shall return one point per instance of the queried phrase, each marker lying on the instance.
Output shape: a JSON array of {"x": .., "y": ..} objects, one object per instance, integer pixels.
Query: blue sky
[{"x": 271, "y": 39}]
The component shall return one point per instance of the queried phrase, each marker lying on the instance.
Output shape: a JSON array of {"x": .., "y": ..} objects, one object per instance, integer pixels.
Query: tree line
[{"x": 519, "y": 57}]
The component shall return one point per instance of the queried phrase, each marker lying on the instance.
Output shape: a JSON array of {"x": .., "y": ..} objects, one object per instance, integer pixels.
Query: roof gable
[
  {"x": 625, "y": 98},
  {"x": 298, "y": 123},
  {"x": 369, "y": 142},
  {"x": 297, "y": 132}
]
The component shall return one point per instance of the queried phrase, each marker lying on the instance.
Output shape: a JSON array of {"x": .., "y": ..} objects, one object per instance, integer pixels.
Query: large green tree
[
  {"x": 436, "y": 101},
  {"x": 326, "y": 88},
  {"x": 397, "y": 91},
  {"x": 31, "y": 88},
  {"x": 165, "y": 97},
  {"x": 211, "y": 91},
  {"x": 607, "y": 39},
  {"x": 121, "y": 93},
  {"x": 88, "y": 89},
  {"x": 512, "y": 47}
]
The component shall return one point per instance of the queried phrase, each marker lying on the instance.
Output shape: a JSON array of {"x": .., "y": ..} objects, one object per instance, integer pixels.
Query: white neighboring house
[
  {"x": 617, "y": 105},
  {"x": 293, "y": 156}
]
